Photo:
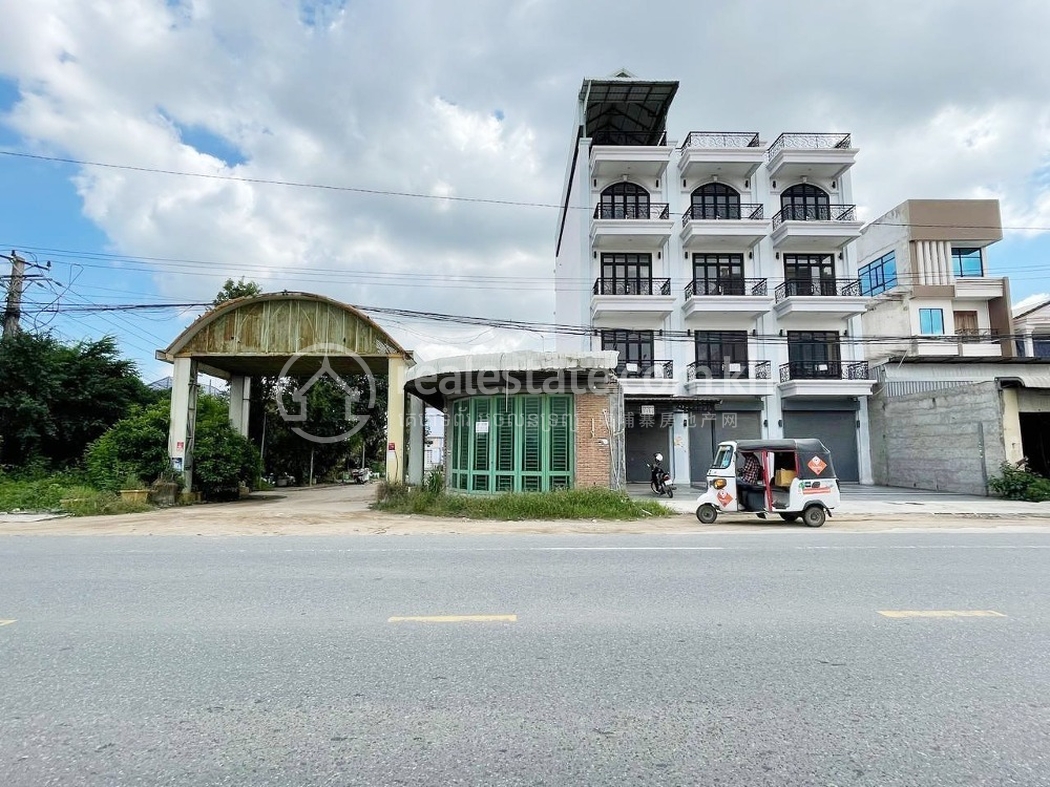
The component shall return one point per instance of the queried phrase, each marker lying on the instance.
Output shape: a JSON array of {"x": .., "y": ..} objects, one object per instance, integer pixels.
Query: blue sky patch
[
  {"x": 9, "y": 94},
  {"x": 207, "y": 142},
  {"x": 319, "y": 13}
]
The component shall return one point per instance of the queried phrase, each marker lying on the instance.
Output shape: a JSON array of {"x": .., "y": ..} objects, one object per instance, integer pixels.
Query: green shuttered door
[{"x": 512, "y": 443}]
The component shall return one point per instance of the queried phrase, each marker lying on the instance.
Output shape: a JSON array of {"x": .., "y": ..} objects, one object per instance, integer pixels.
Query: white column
[
  {"x": 183, "y": 416},
  {"x": 680, "y": 449},
  {"x": 240, "y": 390},
  {"x": 416, "y": 441},
  {"x": 864, "y": 444},
  {"x": 1029, "y": 344},
  {"x": 395, "y": 419}
]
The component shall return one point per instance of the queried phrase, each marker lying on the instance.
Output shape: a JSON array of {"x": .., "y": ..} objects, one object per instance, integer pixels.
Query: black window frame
[
  {"x": 715, "y": 201},
  {"x": 716, "y": 350},
  {"x": 873, "y": 278},
  {"x": 798, "y": 284},
  {"x": 809, "y": 350},
  {"x": 620, "y": 281},
  {"x": 625, "y": 200},
  {"x": 805, "y": 202},
  {"x": 962, "y": 253},
  {"x": 728, "y": 278},
  {"x": 633, "y": 346}
]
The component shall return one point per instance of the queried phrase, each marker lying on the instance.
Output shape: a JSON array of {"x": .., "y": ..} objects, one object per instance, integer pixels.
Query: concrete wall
[{"x": 950, "y": 440}]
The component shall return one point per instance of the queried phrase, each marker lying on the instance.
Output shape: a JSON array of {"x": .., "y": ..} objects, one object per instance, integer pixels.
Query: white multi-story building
[{"x": 720, "y": 268}]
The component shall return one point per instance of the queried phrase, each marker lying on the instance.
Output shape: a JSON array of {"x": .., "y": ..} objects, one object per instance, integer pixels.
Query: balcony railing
[
  {"x": 632, "y": 287},
  {"x": 702, "y": 287},
  {"x": 808, "y": 288},
  {"x": 814, "y": 141},
  {"x": 814, "y": 213},
  {"x": 977, "y": 335},
  {"x": 744, "y": 210},
  {"x": 646, "y": 370},
  {"x": 705, "y": 370},
  {"x": 824, "y": 370},
  {"x": 721, "y": 139},
  {"x": 650, "y": 211}
]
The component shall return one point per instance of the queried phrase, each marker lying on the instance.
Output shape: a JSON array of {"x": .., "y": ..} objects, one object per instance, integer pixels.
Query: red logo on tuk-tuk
[
  {"x": 724, "y": 498},
  {"x": 817, "y": 465}
]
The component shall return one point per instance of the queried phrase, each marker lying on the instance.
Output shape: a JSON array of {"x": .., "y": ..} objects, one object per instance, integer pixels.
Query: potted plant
[{"x": 133, "y": 490}]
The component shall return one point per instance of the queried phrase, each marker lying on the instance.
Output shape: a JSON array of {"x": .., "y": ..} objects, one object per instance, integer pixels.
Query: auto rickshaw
[{"x": 793, "y": 478}]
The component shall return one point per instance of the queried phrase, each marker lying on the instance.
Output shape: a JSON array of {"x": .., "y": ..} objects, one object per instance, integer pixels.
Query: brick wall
[
  {"x": 949, "y": 440},
  {"x": 593, "y": 457}
]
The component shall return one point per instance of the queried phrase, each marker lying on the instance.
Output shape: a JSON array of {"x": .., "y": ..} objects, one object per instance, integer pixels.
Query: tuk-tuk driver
[{"x": 749, "y": 480}]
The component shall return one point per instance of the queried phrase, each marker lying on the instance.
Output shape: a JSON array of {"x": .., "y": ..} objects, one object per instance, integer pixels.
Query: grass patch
[
  {"x": 590, "y": 503},
  {"x": 64, "y": 492}
]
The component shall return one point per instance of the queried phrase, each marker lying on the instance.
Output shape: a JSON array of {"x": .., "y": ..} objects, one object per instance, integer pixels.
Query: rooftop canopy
[{"x": 622, "y": 110}]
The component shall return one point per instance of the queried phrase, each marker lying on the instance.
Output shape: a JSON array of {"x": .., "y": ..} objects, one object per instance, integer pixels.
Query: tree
[
  {"x": 232, "y": 290},
  {"x": 55, "y": 398}
]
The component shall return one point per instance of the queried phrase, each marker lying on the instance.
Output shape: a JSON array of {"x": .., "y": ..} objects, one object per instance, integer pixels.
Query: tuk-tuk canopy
[{"x": 814, "y": 458}]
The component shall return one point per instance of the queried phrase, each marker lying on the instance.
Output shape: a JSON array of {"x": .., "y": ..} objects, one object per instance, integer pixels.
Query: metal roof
[{"x": 626, "y": 111}]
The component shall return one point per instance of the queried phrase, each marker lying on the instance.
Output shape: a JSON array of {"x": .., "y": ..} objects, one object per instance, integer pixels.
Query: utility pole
[
  {"x": 16, "y": 288},
  {"x": 13, "y": 312}
]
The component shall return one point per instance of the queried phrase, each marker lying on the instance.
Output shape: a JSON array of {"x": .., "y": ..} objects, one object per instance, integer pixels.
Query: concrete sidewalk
[{"x": 860, "y": 499}]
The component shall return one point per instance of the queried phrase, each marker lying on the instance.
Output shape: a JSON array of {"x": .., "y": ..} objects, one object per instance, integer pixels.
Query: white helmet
[{"x": 658, "y": 457}]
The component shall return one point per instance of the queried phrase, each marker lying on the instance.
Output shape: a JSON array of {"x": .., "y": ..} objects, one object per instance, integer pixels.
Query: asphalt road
[{"x": 710, "y": 659}]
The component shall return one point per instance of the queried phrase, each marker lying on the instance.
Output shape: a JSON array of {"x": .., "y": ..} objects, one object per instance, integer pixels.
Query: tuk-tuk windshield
[{"x": 723, "y": 458}]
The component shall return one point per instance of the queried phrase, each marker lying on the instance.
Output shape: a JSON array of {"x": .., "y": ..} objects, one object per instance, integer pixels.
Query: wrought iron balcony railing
[
  {"x": 809, "y": 141},
  {"x": 649, "y": 211},
  {"x": 726, "y": 286},
  {"x": 721, "y": 139},
  {"x": 646, "y": 370},
  {"x": 814, "y": 213},
  {"x": 631, "y": 287},
  {"x": 727, "y": 370},
  {"x": 824, "y": 370},
  {"x": 809, "y": 288},
  {"x": 743, "y": 210}
]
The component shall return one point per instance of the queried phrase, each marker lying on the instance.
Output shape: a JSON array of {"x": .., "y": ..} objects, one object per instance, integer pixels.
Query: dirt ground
[{"x": 344, "y": 510}]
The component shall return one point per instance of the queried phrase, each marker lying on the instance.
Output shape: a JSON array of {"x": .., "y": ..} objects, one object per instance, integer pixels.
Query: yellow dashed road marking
[
  {"x": 940, "y": 613},
  {"x": 454, "y": 619}
]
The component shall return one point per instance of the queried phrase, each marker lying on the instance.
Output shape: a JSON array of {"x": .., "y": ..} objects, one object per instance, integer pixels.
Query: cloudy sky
[{"x": 468, "y": 100}]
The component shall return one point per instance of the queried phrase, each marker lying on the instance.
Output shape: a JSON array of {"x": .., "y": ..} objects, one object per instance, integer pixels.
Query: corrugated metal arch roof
[{"x": 282, "y": 323}]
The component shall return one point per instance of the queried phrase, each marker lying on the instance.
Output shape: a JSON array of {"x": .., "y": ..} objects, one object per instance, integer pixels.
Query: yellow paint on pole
[
  {"x": 453, "y": 619},
  {"x": 941, "y": 613},
  {"x": 5, "y": 622}
]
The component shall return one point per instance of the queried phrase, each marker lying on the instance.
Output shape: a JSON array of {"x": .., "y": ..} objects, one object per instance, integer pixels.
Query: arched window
[
  {"x": 805, "y": 202},
  {"x": 716, "y": 201},
  {"x": 624, "y": 201}
]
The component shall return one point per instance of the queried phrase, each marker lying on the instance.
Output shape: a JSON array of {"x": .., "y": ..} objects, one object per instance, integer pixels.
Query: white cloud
[{"x": 475, "y": 99}]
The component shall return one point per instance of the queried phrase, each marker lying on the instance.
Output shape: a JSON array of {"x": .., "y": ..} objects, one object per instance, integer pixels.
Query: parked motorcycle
[{"x": 660, "y": 479}]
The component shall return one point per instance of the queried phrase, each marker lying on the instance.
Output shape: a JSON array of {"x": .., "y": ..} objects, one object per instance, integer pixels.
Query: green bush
[
  {"x": 1017, "y": 482},
  {"x": 590, "y": 503},
  {"x": 222, "y": 460},
  {"x": 134, "y": 448}
]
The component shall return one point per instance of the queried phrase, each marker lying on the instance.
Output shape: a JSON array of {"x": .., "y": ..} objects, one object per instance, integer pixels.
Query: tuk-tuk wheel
[
  {"x": 707, "y": 514},
  {"x": 814, "y": 516},
  {"x": 789, "y": 517}
]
